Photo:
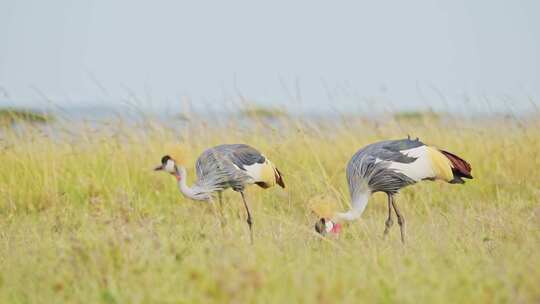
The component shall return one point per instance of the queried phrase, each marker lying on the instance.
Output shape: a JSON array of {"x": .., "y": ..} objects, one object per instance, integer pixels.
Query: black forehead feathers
[
  {"x": 320, "y": 226},
  {"x": 165, "y": 158}
]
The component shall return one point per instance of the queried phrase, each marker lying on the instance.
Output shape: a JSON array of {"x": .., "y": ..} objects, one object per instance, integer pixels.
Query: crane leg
[
  {"x": 389, "y": 222},
  {"x": 249, "y": 219},
  {"x": 400, "y": 220},
  {"x": 221, "y": 214},
  {"x": 220, "y": 198}
]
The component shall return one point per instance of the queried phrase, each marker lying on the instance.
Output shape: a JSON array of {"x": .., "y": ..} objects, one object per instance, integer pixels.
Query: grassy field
[{"x": 84, "y": 219}]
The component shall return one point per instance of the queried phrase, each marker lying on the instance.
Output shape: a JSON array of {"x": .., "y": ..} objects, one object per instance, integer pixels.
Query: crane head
[
  {"x": 168, "y": 164},
  {"x": 324, "y": 207},
  {"x": 325, "y": 226}
]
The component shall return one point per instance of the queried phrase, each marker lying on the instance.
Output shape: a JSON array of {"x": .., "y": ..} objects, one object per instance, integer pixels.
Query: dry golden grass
[{"x": 83, "y": 219}]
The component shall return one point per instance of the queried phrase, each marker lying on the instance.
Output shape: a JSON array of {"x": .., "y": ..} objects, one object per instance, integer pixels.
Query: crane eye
[{"x": 329, "y": 225}]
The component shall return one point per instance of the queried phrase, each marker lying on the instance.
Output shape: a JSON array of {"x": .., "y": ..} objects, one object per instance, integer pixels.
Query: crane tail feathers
[
  {"x": 279, "y": 179},
  {"x": 460, "y": 168}
]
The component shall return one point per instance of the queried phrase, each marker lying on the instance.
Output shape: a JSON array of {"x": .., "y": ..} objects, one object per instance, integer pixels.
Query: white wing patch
[
  {"x": 255, "y": 171},
  {"x": 417, "y": 170}
]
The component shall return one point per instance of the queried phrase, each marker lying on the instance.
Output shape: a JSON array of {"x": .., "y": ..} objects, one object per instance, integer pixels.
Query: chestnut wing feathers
[{"x": 460, "y": 168}]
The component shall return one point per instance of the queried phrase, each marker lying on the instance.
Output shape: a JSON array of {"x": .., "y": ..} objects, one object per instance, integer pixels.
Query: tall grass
[{"x": 84, "y": 219}]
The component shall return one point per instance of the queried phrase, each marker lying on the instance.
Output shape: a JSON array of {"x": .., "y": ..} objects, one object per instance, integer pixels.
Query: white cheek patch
[
  {"x": 329, "y": 226},
  {"x": 169, "y": 167}
]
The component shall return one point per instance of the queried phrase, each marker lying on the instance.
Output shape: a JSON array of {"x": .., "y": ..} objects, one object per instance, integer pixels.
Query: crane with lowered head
[{"x": 388, "y": 166}]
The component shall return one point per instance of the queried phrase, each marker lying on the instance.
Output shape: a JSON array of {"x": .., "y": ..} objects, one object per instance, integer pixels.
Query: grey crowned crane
[
  {"x": 225, "y": 166},
  {"x": 388, "y": 166}
]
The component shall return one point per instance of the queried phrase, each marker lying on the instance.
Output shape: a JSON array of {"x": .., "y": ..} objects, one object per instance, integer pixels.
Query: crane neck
[
  {"x": 359, "y": 203},
  {"x": 193, "y": 193}
]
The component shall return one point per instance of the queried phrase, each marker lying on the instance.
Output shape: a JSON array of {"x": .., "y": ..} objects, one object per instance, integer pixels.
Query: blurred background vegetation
[{"x": 83, "y": 218}]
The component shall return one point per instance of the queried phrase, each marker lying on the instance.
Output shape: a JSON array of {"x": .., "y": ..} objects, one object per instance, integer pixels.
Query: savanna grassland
[{"x": 84, "y": 219}]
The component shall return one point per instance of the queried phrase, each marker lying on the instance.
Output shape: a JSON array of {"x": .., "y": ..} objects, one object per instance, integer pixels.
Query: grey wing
[
  {"x": 243, "y": 155},
  {"x": 214, "y": 170},
  {"x": 391, "y": 150},
  {"x": 368, "y": 168},
  {"x": 223, "y": 166}
]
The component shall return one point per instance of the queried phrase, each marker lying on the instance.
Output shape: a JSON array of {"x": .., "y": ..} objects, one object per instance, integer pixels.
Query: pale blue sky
[{"x": 336, "y": 52}]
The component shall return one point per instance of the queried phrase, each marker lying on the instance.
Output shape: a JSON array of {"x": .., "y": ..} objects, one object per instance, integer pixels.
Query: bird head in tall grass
[
  {"x": 325, "y": 226},
  {"x": 169, "y": 165},
  {"x": 325, "y": 207}
]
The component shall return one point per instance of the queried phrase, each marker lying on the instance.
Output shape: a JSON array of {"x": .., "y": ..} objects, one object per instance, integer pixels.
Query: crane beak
[{"x": 158, "y": 168}]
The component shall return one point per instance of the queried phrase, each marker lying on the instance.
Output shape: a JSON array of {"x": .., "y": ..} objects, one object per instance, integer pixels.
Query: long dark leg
[
  {"x": 400, "y": 220},
  {"x": 389, "y": 222},
  {"x": 249, "y": 219},
  {"x": 220, "y": 197}
]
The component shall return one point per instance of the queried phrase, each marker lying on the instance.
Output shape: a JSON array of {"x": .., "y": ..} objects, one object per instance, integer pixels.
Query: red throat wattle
[{"x": 336, "y": 229}]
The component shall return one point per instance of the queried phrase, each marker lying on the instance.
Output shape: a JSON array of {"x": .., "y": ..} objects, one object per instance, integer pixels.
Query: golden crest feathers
[{"x": 323, "y": 206}]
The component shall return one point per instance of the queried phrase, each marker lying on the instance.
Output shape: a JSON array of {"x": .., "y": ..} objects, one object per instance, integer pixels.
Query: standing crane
[
  {"x": 225, "y": 166},
  {"x": 388, "y": 166}
]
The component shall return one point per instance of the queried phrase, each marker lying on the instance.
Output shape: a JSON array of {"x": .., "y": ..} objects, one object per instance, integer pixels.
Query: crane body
[
  {"x": 225, "y": 166},
  {"x": 389, "y": 166}
]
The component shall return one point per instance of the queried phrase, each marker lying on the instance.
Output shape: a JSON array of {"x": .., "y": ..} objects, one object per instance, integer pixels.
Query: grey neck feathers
[
  {"x": 195, "y": 192},
  {"x": 359, "y": 203}
]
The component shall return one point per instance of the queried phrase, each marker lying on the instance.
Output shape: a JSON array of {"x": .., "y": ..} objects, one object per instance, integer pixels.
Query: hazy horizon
[{"x": 307, "y": 55}]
